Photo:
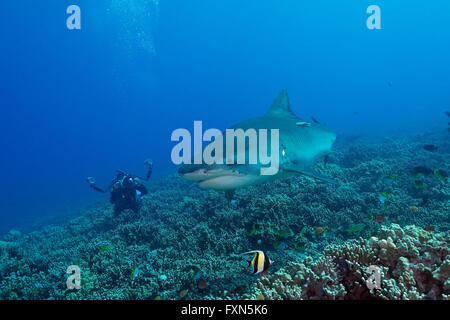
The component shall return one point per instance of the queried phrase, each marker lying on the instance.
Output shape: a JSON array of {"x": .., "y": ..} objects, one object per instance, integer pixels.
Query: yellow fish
[{"x": 260, "y": 261}]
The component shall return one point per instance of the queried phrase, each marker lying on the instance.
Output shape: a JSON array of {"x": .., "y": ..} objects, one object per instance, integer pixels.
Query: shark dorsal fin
[{"x": 281, "y": 106}]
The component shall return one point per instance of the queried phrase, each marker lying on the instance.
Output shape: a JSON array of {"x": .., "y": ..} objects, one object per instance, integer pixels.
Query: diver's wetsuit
[{"x": 125, "y": 190}]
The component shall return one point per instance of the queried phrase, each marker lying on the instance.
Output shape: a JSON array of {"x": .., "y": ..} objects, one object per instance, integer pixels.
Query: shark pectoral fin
[
  {"x": 311, "y": 173},
  {"x": 320, "y": 176}
]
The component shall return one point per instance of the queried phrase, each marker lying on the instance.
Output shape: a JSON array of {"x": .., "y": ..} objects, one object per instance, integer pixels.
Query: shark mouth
[
  {"x": 220, "y": 179},
  {"x": 200, "y": 173}
]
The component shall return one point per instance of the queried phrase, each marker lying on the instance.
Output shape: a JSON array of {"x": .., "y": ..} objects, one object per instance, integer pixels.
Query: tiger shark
[{"x": 301, "y": 144}]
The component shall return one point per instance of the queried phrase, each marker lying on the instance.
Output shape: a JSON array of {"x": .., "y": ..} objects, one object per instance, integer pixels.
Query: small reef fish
[
  {"x": 183, "y": 293},
  {"x": 356, "y": 228},
  {"x": 197, "y": 273},
  {"x": 315, "y": 120},
  {"x": 300, "y": 247},
  {"x": 240, "y": 289},
  {"x": 414, "y": 209},
  {"x": 419, "y": 184},
  {"x": 447, "y": 113},
  {"x": 380, "y": 218},
  {"x": 389, "y": 84},
  {"x": 256, "y": 229},
  {"x": 429, "y": 228},
  {"x": 318, "y": 231},
  {"x": 303, "y": 124},
  {"x": 202, "y": 284},
  {"x": 106, "y": 248},
  {"x": 388, "y": 179},
  {"x": 383, "y": 196},
  {"x": 134, "y": 274},
  {"x": 285, "y": 233},
  {"x": 430, "y": 147},
  {"x": 260, "y": 261},
  {"x": 279, "y": 245}
]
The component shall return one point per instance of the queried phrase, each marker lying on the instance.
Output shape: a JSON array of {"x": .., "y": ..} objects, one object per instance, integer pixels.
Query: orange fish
[
  {"x": 318, "y": 230},
  {"x": 264, "y": 273},
  {"x": 240, "y": 289},
  {"x": 202, "y": 284}
]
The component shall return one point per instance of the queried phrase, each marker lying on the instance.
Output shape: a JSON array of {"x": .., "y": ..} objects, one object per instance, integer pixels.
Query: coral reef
[{"x": 185, "y": 243}]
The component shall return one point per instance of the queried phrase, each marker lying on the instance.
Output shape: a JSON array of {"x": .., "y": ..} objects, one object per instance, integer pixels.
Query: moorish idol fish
[{"x": 260, "y": 261}]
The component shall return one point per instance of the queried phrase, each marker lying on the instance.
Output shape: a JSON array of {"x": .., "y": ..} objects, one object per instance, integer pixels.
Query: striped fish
[{"x": 260, "y": 261}]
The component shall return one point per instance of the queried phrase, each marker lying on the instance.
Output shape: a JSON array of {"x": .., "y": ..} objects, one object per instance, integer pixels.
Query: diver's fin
[{"x": 311, "y": 173}]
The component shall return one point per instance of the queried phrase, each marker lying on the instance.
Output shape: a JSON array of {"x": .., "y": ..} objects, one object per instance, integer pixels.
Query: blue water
[{"x": 87, "y": 102}]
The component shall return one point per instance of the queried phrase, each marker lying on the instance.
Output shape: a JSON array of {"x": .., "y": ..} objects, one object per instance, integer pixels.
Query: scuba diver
[{"x": 126, "y": 189}]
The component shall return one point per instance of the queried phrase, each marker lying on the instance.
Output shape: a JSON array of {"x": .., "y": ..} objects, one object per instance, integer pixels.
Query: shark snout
[
  {"x": 193, "y": 172},
  {"x": 209, "y": 176}
]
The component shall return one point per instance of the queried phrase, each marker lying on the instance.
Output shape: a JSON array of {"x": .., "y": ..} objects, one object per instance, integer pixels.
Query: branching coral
[{"x": 413, "y": 264}]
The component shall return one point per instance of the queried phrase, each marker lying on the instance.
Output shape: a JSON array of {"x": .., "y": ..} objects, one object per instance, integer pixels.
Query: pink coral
[{"x": 413, "y": 264}]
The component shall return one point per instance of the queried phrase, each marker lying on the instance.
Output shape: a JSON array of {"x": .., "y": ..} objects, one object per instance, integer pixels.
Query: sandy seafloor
[{"x": 185, "y": 243}]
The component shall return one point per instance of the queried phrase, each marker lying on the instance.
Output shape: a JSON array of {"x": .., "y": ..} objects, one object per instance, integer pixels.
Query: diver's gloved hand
[
  {"x": 90, "y": 180},
  {"x": 148, "y": 162}
]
